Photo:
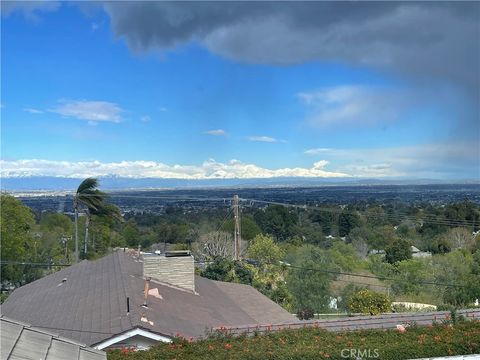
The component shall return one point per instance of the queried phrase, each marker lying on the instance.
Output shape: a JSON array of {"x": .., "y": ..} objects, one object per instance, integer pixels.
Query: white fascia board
[{"x": 129, "y": 334}]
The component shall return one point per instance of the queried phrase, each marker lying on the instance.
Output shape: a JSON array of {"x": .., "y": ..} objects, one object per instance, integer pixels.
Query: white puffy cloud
[
  {"x": 217, "y": 132},
  {"x": 209, "y": 169},
  {"x": 30, "y": 9},
  {"x": 353, "y": 105},
  {"x": 33, "y": 111},
  {"x": 316, "y": 151},
  {"x": 96, "y": 111},
  {"x": 436, "y": 161},
  {"x": 266, "y": 139}
]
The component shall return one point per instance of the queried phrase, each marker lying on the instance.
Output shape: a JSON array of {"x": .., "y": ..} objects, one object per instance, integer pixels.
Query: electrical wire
[
  {"x": 382, "y": 278},
  {"x": 10, "y": 262},
  {"x": 437, "y": 221},
  {"x": 399, "y": 217}
]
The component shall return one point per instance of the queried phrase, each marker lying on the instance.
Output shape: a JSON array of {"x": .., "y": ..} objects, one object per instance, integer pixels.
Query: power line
[
  {"x": 10, "y": 262},
  {"x": 431, "y": 219},
  {"x": 426, "y": 219},
  {"x": 390, "y": 216},
  {"x": 383, "y": 278},
  {"x": 227, "y": 217}
]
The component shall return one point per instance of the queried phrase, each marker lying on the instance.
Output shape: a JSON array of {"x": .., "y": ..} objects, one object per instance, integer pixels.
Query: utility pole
[
  {"x": 236, "y": 234},
  {"x": 64, "y": 240}
]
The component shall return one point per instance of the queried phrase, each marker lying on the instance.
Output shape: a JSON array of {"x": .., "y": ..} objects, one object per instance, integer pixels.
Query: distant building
[
  {"x": 22, "y": 341},
  {"x": 417, "y": 253},
  {"x": 128, "y": 299},
  {"x": 376, "y": 252}
]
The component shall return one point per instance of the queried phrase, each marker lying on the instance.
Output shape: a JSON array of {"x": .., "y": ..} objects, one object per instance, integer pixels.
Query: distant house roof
[
  {"x": 22, "y": 341},
  {"x": 88, "y": 302}
]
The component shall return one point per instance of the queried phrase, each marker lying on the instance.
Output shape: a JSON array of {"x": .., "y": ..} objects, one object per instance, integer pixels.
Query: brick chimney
[{"x": 174, "y": 267}]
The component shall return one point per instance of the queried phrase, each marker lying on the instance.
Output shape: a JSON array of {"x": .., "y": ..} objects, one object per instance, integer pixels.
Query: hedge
[{"x": 315, "y": 343}]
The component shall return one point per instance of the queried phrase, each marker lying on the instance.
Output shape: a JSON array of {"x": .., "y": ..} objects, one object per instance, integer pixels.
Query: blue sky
[{"x": 86, "y": 91}]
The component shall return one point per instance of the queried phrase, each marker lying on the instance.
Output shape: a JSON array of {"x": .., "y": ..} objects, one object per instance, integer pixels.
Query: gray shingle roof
[
  {"x": 21, "y": 341},
  {"x": 91, "y": 305}
]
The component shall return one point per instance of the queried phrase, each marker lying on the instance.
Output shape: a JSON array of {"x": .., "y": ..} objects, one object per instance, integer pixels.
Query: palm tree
[
  {"x": 88, "y": 195},
  {"x": 104, "y": 210}
]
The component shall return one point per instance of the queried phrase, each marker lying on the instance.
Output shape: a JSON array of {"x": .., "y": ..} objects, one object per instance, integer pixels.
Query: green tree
[
  {"x": 398, "y": 251},
  {"x": 307, "y": 281},
  {"x": 410, "y": 274},
  {"x": 369, "y": 302},
  {"x": 457, "y": 268},
  {"x": 347, "y": 221},
  {"x": 57, "y": 221},
  {"x": 131, "y": 233},
  {"x": 222, "y": 269},
  {"x": 92, "y": 199},
  {"x": 264, "y": 249},
  {"x": 343, "y": 256},
  {"x": 18, "y": 244},
  {"x": 248, "y": 226},
  {"x": 325, "y": 218},
  {"x": 277, "y": 221}
]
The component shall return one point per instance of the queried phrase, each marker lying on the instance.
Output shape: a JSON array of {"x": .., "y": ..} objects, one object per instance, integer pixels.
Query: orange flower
[
  {"x": 228, "y": 346},
  {"x": 211, "y": 347}
]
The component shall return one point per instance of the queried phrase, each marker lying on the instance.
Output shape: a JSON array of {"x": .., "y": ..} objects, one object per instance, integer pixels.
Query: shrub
[
  {"x": 315, "y": 344},
  {"x": 369, "y": 302},
  {"x": 305, "y": 314}
]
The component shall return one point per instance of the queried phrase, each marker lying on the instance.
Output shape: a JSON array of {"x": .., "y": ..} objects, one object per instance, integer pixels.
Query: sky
[{"x": 241, "y": 89}]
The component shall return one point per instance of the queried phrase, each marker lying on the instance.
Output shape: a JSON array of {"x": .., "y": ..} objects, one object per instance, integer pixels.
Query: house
[
  {"x": 132, "y": 299},
  {"x": 22, "y": 341},
  {"x": 417, "y": 253}
]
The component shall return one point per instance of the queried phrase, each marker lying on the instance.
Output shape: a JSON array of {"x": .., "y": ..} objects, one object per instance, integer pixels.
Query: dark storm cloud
[{"x": 423, "y": 40}]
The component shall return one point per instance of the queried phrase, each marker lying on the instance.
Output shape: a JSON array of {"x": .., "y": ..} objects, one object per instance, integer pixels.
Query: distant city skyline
[{"x": 239, "y": 90}]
